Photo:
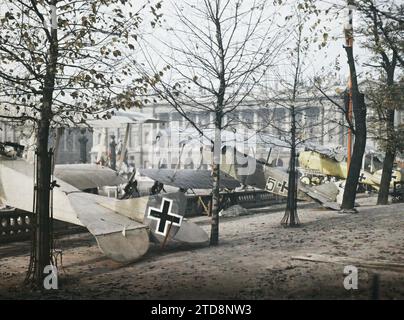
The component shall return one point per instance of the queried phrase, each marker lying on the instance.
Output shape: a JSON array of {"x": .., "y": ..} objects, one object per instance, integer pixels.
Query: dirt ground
[{"x": 253, "y": 261}]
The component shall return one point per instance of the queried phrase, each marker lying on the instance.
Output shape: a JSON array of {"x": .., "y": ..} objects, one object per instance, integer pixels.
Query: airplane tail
[
  {"x": 163, "y": 214},
  {"x": 119, "y": 237}
]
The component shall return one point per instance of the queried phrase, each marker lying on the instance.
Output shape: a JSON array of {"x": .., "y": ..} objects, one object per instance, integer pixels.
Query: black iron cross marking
[
  {"x": 164, "y": 216},
  {"x": 282, "y": 186},
  {"x": 362, "y": 177}
]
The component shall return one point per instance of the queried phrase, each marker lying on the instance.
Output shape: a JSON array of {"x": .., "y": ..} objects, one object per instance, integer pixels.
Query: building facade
[
  {"x": 320, "y": 123},
  {"x": 70, "y": 146}
]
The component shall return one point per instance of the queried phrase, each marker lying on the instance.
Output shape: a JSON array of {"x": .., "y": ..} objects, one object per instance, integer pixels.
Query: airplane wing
[
  {"x": 326, "y": 194},
  {"x": 120, "y": 238},
  {"x": 119, "y": 118},
  {"x": 329, "y": 191},
  {"x": 88, "y": 176},
  {"x": 243, "y": 168},
  {"x": 336, "y": 153},
  {"x": 189, "y": 178}
]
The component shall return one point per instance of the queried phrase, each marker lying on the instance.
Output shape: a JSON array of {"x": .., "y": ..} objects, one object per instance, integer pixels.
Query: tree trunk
[
  {"x": 217, "y": 148},
  {"x": 214, "y": 231},
  {"x": 83, "y": 147},
  {"x": 43, "y": 232},
  {"x": 351, "y": 185},
  {"x": 291, "y": 218},
  {"x": 215, "y": 207},
  {"x": 112, "y": 152},
  {"x": 43, "y": 223},
  {"x": 388, "y": 161},
  {"x": 359, "y": 112}
]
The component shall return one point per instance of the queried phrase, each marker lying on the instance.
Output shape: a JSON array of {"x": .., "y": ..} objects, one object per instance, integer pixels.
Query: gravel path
[{"x": 253, "y": 261}]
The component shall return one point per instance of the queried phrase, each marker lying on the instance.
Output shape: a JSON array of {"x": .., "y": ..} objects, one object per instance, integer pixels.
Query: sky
[{"x": 319, "y": 62}]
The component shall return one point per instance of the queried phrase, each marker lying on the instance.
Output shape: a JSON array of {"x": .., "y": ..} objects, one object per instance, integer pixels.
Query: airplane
[
  {"x": 323, "y": 162},
  {"x": 262, "y": 176},
  {"x": 315, "y": 162},
  {"x": 123, "y": 228},
  {"x": 275, "y": 180}
]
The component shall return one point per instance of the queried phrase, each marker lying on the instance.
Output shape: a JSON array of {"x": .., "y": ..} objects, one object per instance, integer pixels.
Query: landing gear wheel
[{"x": 305, "y": 180}]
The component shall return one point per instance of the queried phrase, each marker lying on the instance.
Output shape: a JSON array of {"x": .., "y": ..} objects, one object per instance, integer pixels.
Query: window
[
  {"x": 204, "y": 118},
  {"x": 247, "y": 116},
  {"x": 146, "y": 137}
]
